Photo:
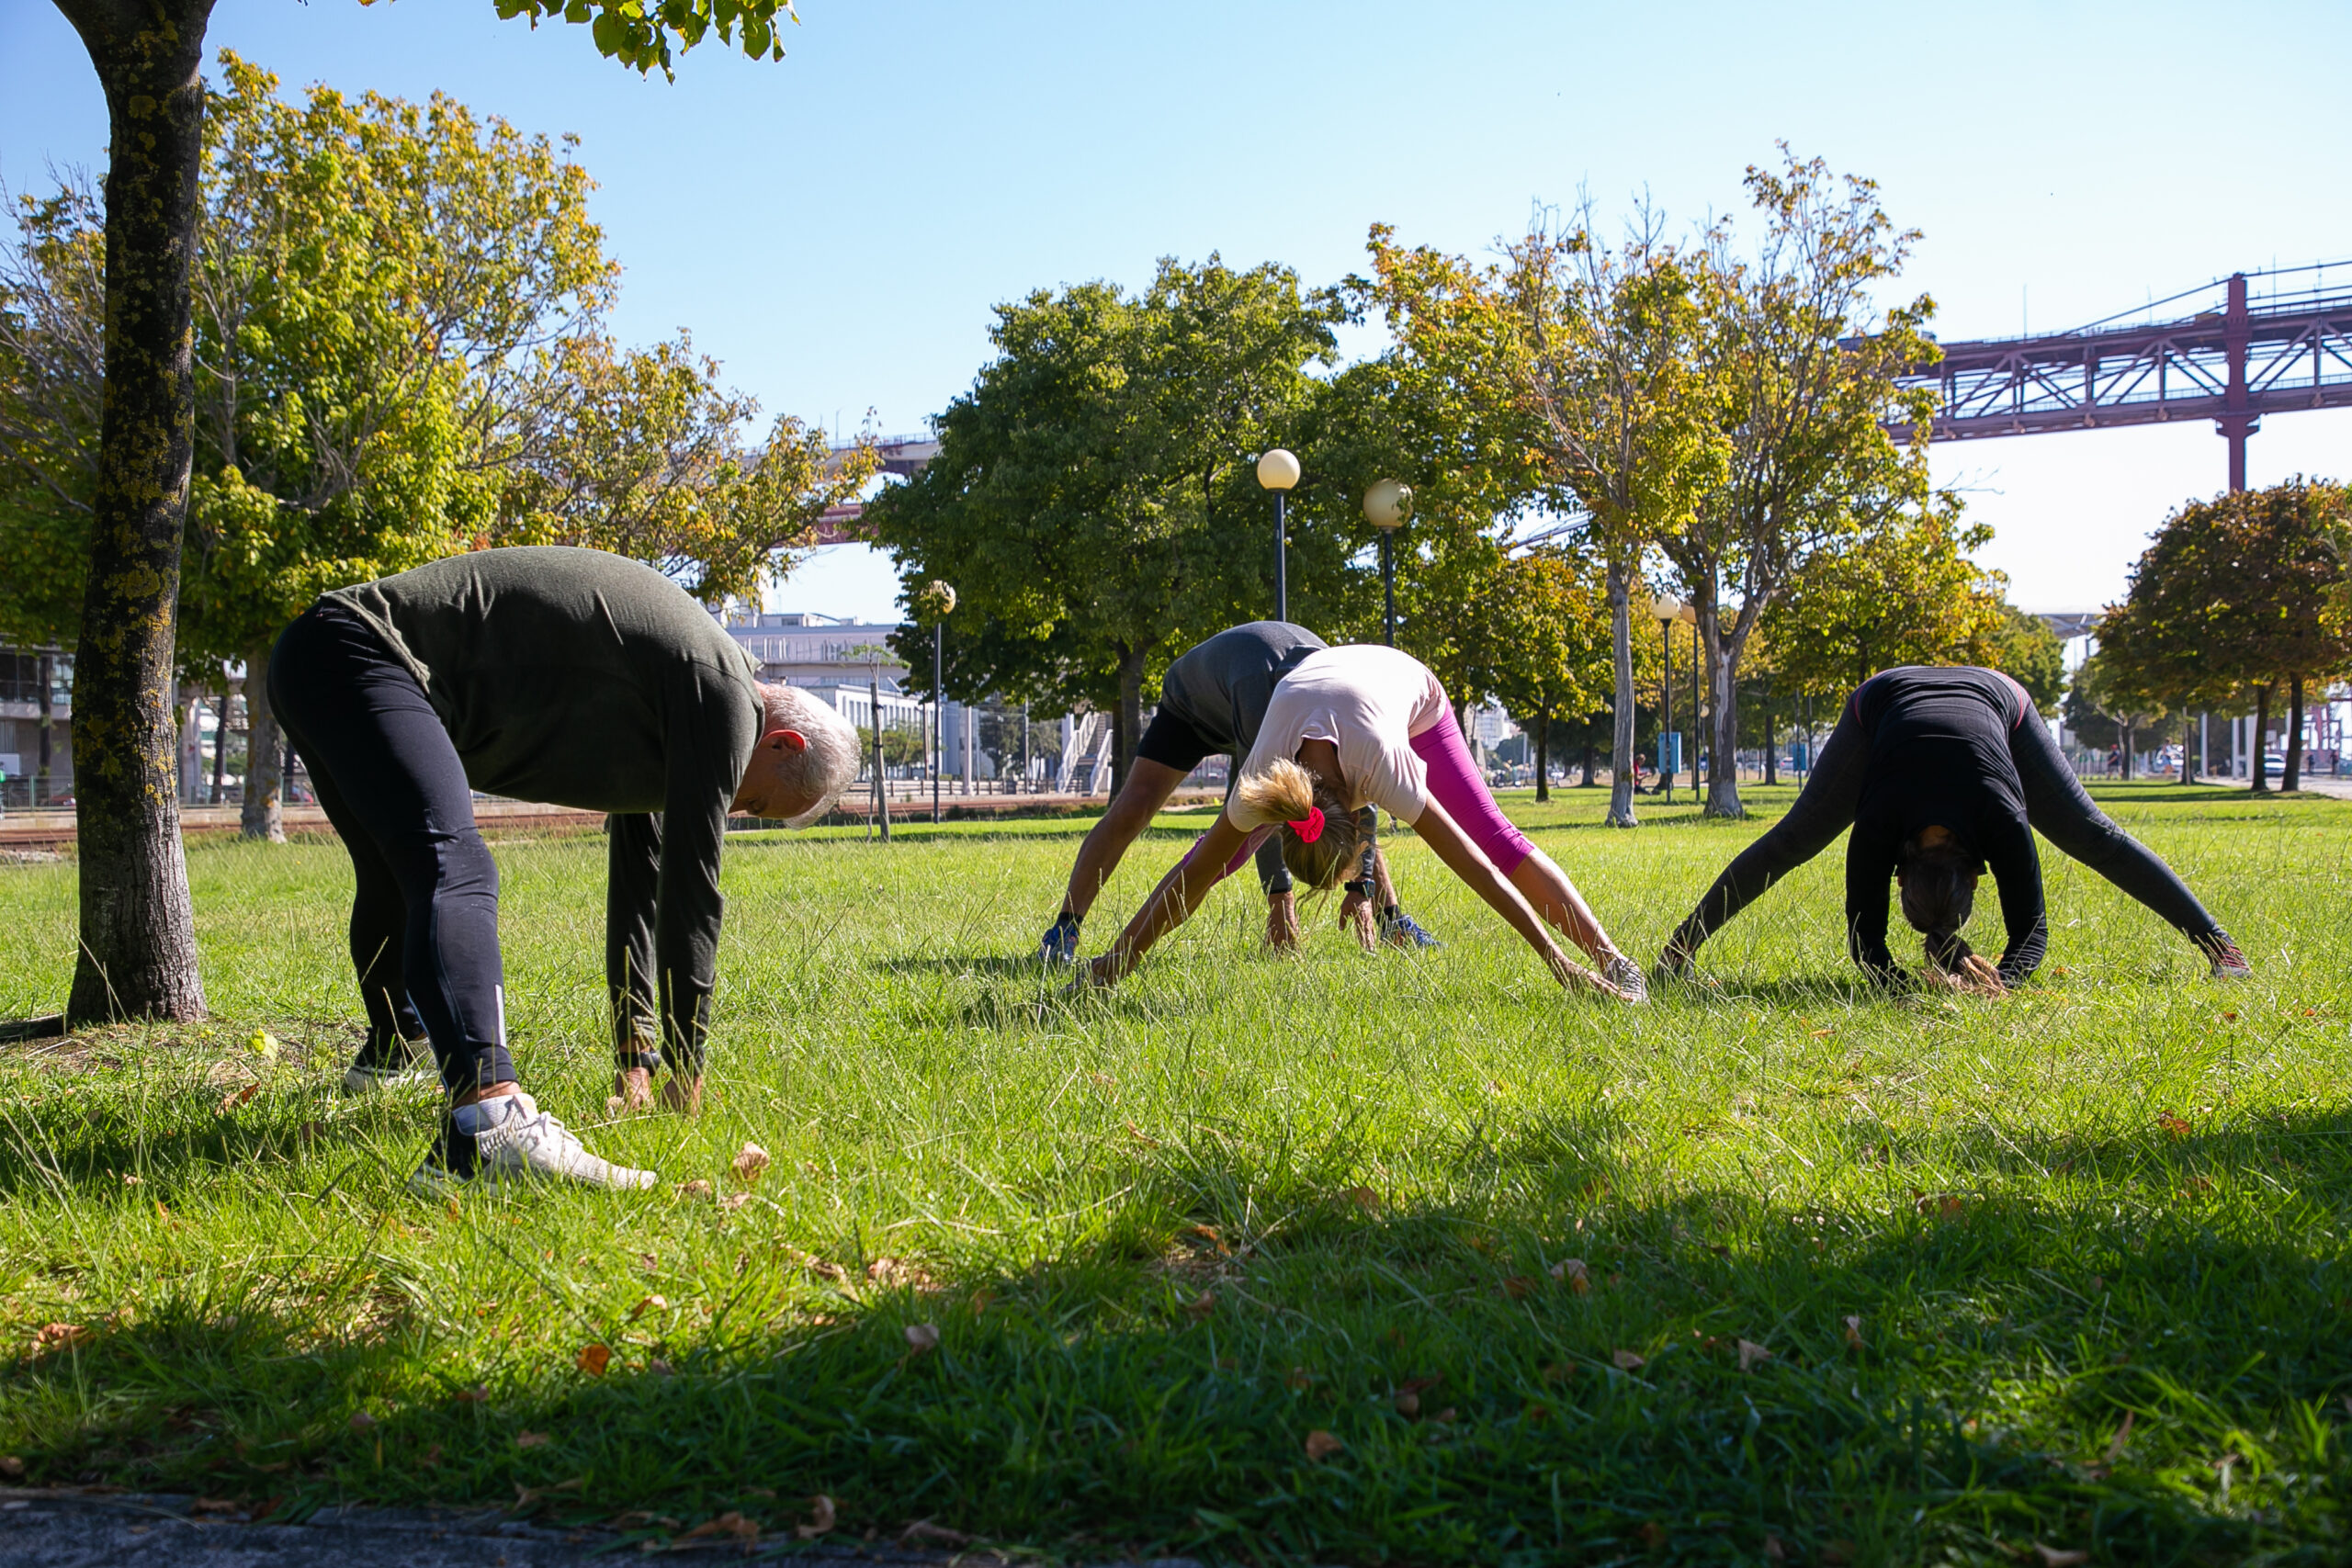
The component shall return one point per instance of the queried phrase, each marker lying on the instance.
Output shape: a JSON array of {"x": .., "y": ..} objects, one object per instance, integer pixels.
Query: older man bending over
[{"x": 551, "y": 674}]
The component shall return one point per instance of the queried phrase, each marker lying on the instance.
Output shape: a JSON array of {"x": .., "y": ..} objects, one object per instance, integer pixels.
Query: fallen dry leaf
[
  {"x": 1321, "y": 1445},
  {"x": 1853, "y": 1333},
  {"x": 1750, "y": 1354},
  {"x": 1774, "y": 1549},
  {"x": 2177, "y": 1127},
  {"x": 659, "y": 1368},
  {"x": 751, "y": 1163},
  {"x": 730, "y": 1523},
  {"x": 922, "y": 1337},
  {"x": 649, "y": 1304},
  {"x": 478, "y": 1395},
  {"x": 532, "y": 1439},
  {"x": 1519, "y": 1287},
  {"x": 981, "y": 1300},
  {"x": 2123, "y": 1436},
  {"x": 2053, "y": 1557},
  {"x": 593, "y": 1359},
  {"x": 1572, "y": 1272},
  {"x": 362, "y": 1422},
  {"x": 60, "y": 1336},
  {"x": 821, "y": 1517},
  {"x": 11, "y": 1466},
  {"x": 1364, "y": 1198},
  {"x": 734, "y": 1200},
  {"x": 1627, "y": 1361},
  {"x": 1200, "y": 1305},
  {"x": 923, "y": 1529},
  {"x": 697, "y": 1188},
  {"x": 1558, "y": 1371},
  {"x": 230, "y": 1102},
  {"x": 1653, "y": 1534}
]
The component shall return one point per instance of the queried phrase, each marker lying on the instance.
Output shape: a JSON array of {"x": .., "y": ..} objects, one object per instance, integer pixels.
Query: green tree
[
  {"x": 2234, "y": 596},
  {"x": 1094, "y": 500},
  {"x": 2028, "y": 652},
  {"x": 137, "y": 939},
  {"x": 1804, "y": 369},
  {"x": 2108, "y": 703},
  {"x": 1901, "y": 592},
  {"x": 642, "y": 453},
  {"x": 1546, "y": 650}
]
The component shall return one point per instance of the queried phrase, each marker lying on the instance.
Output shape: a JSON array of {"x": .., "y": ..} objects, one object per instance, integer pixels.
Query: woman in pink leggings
[{"x": 1367, "y": 724}]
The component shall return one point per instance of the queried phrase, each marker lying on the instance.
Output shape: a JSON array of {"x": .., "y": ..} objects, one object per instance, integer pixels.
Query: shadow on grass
[{"x": 1948, "y": 1380}]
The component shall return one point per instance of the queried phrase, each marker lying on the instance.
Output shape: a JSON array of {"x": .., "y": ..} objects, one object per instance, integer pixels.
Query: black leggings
[
  {"x": 2055, "y": 807},
  {"x": 424, "y": 921}
]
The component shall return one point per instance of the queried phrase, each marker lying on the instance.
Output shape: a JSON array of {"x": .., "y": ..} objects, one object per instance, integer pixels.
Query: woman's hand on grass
[
  {"x": 1976, "y": 977},
  {"x": 1355, "y": 914}
]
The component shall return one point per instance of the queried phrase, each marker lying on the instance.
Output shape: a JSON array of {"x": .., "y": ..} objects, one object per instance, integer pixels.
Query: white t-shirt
[{"x": 1370, "y": 702}]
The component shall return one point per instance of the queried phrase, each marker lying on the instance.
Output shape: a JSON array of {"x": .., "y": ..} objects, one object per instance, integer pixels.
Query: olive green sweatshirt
[{"x": 580, "y": 679}]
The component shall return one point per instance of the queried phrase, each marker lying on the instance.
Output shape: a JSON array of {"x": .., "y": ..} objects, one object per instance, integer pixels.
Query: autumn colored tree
[
  {"x": 1582, "y": 361},
  {"x": 2235, "y": 597},
  {"x": 1094, "y": 500},
  {"x": 1803, "y": 366},
  {"x": 137, "y": 938}
]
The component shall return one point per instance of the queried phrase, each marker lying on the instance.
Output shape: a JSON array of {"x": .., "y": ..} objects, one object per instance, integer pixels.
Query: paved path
[{"x": 48, "y": 1529}]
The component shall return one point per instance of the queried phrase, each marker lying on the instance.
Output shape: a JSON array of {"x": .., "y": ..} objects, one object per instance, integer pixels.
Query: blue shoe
[
  {"x": 1406, "y": 933},
  {"x": 1060, "y": 944}
]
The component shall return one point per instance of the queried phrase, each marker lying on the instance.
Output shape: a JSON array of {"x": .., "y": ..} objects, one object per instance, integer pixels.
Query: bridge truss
[{"x": 2245, "y": 353}]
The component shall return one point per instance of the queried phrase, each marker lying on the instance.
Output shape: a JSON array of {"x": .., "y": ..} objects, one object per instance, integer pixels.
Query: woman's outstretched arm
[
  {"x": 1824, "y": 809},
  {"x": 1179, "y": 894},
  {"x": 1466, "y": 861}
]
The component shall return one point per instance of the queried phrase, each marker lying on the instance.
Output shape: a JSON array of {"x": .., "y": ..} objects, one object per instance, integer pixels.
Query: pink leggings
[{"x": 1454, "y": 783}]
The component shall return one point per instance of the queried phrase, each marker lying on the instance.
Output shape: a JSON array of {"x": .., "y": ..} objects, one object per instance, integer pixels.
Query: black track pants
[
  {"x": 2055, "y": 806},
  {"x": 424, "y": 921}
]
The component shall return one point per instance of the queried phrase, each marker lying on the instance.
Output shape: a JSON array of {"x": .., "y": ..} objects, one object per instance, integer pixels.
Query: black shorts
[{"x": 1172, "y": 740}]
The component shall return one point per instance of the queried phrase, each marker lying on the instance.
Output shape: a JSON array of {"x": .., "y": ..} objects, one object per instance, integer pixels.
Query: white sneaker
[
  {"x": 512, "y": 1142},
  {"x": 1626, "y": 975},
  {"x": 411, "y": 1067}
]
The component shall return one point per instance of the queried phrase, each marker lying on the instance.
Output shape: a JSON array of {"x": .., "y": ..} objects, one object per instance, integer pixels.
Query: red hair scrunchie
[{"x": 1310, "y": 827}]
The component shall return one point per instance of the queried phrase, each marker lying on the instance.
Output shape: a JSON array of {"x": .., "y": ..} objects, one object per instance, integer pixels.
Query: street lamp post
[
  {"x": 1385, "y": 507},
  {"x": 938, "y": 600},
  {"x": 1689, "y": 618},
  {"x": 1278, "y": 471},
  {"x": 1666, "y": 607}
]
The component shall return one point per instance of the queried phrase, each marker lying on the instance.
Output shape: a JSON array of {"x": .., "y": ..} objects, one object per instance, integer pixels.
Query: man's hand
[
  {"x": 1356, "y": 913},
  {"x": 1282, "y": 922},
  {"x": 634, "y": 1088}
]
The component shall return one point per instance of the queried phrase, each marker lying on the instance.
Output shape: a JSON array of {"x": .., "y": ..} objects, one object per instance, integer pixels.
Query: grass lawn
[{"x": 1343, "y": 1259}]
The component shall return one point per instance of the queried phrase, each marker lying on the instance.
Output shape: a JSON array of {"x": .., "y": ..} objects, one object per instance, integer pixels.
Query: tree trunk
[
  {"x": 138, "y": 932},
  {"x": 2294, "y": 779},
  {"x": 1620, "y": 748},
  {"x": 1723, "y": 696},
  {"x": 2125, "y": 730},
  {"x": 2261, "y": 741},
  {"x": 262, "y": 816},
  {"x": 1771, "y": 746},
  {"x": 220, "y": 746},
  {"x": 1543, "y": 755},
  {"x": 1127, "y": 731}
]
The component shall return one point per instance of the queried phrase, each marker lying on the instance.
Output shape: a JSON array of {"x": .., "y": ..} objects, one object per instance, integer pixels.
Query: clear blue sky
[{"x": 836, "y": 227}]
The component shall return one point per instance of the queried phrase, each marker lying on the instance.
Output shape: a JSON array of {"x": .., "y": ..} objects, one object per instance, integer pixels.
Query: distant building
[{"x": 20, "y": 725}]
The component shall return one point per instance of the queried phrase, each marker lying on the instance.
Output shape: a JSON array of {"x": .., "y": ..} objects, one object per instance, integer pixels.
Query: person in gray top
[
  {"x": 553, "y": 674},
  {"x": 1213, "y": 701}
]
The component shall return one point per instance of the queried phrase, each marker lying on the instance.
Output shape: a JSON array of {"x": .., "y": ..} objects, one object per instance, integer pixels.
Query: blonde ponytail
[{"x": 1286, "y": 793}]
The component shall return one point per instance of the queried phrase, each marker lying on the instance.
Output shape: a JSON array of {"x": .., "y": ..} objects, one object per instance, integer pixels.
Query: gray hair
[{"x": 829, "y": 765}]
